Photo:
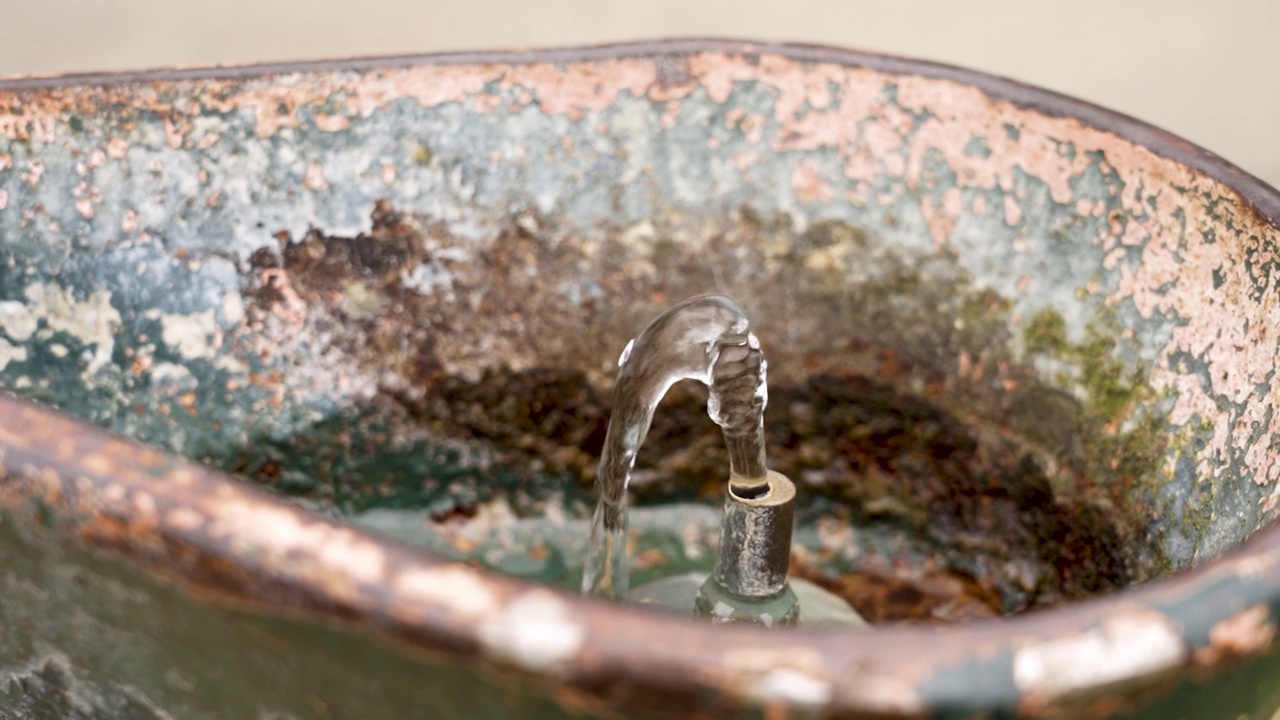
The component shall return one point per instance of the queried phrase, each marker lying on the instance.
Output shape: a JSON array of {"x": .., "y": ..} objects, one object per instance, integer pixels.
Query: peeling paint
[
  {"x": 17, "y": 320},
  {"x": 92, "y": 321},
  {"x": 194, "y": 336},
  {"x": 460, "y": 589},
  {"x": 1127, "y": 647},
  {"x": 1249, "y": 632},
  {"x": 792, "y": 687},
  {"x": 534, "y": 631},
  {"x": 167, "y": 373},
  {"x": 11, "y": 353}
]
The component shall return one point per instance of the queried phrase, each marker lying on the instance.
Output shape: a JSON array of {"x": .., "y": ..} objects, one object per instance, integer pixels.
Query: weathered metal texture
[{"x": 1072, "y": 314}]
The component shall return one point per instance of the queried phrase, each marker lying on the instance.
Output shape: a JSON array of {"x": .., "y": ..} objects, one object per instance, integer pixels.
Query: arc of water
[{"x": 705, "y": 338}]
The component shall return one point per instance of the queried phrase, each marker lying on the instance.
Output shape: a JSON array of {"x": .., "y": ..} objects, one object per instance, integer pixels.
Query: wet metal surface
[{"x": 1012, "y": 337}]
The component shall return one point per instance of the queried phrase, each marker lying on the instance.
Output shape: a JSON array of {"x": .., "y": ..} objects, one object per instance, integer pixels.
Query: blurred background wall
[{"x": 1209, "y": 71}]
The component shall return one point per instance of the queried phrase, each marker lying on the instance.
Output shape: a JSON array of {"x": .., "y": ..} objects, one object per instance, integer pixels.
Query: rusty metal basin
[{"x": 309, "y": 365}]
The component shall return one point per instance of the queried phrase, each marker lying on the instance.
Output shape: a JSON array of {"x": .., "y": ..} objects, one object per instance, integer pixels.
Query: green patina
[
  {"x": 1127, "y": 445},
  {"x": 1111, "y": 389}
]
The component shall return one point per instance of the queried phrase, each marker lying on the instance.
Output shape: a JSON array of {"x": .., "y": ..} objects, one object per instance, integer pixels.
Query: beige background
[{"x": 1204, "y": 69}]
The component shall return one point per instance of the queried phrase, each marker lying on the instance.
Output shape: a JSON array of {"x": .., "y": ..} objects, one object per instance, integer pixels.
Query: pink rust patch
[
  {"x": 953, "y": 202},
  {"x": 750, "y": 124},
  {"x": 1012, "y": 211},
  {"x": 574, "y": 89},
  {"x": 117, "y": 148},
  {"x": 485, "y": 103},
  {"x": 332, "y": 123},
  {"x": 44, "y": 128},
  {"x": 670, "y": 114},
  {"x": 292, "y": 308},
  {"x": 744, "y": 159},
  {"x": 1247, "y": 633},
  {"x": 809, "y": 185},
  {"x": 885, "y": 145},
  {"x": 960, "y": 112},
  {"x": 275, "y": 100},
  {"x": 941, "y": 215},
  {"x": 314, "y": 178},
  {"x": 862, "y": 166},
  {"x": 798, "y": 84},
  {"x": 175, "y": 132},
  {"x": 35, "y": 170},
  {"x": 4, "y": 199}
]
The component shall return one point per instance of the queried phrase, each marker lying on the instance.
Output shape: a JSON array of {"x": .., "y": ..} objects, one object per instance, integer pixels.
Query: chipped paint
[
  {"x": 17, "y": 320},
  {"x": 1127, "y": 647},
  {"x": 454, "y": 587},
  {"x": 11, "y": 353},
  {"x": 194, "y": 336},
  {"x": 534, "y": 631},
  {"x": 791, "y": 687},
  {"x": 92, "y": 321}
]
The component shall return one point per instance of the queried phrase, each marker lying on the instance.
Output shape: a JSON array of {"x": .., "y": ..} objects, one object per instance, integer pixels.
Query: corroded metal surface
[{"x": 1068, "y": 315}]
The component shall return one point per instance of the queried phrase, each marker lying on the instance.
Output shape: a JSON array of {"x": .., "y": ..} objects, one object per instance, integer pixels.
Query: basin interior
[
  {"x": 1015, "y": 360},
  {"x": 914, "y": 504}
]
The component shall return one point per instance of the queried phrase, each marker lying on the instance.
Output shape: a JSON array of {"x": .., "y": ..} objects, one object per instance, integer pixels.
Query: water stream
[{"x": 708, "y": 339}]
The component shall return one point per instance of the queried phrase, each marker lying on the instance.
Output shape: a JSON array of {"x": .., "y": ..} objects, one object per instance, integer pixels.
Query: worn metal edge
[
  {"x": 1257, "y": 194},
  {"x": 187, "y": 523}
]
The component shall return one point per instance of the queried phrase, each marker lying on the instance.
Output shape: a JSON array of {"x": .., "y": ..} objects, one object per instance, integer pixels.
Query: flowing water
[{"x": 708, "y": 339}]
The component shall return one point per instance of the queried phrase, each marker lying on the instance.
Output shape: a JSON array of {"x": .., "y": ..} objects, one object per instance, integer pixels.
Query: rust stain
[{"x": 1240, "y": 636}]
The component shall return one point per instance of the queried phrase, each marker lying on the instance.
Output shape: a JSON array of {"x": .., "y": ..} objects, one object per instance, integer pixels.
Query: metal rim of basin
[{"x": 216, "y": 534}]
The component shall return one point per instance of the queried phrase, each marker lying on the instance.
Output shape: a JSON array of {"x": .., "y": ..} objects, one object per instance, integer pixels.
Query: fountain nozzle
[
  {"x": 749, "y": 580},
  {"x": 707, "y": 338}
]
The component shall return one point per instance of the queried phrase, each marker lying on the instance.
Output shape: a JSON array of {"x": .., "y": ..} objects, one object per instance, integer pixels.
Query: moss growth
[
  {"x": 1046, "y": 333},
  {"x": 1122, "y": 447},
  {"x": 1111, "y": 389}
]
